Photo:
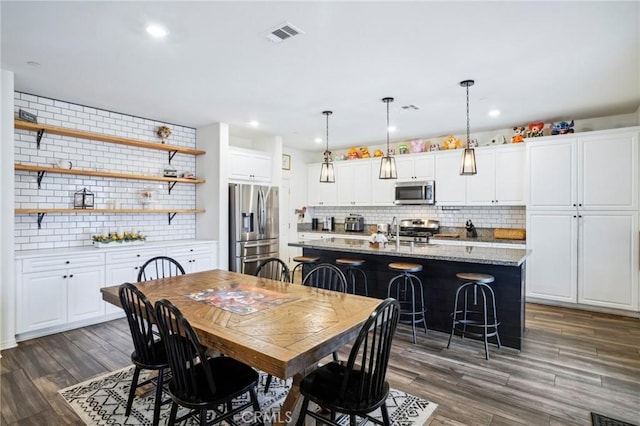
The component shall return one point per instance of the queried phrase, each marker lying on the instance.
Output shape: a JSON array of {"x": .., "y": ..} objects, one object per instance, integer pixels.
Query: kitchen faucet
[{"x": 394, "y": 223}]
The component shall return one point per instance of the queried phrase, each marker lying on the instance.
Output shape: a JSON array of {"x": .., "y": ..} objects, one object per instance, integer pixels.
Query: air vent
[
  {"x": 283, "y": 32},
  {"x": 410, "y": 106}
]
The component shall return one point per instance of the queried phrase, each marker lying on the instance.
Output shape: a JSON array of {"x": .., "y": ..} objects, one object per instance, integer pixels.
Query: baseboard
[
  {"x": 66, "y": 327},
  {"x": 582, "y": 307},
  {"x": 8, "y": 344}
]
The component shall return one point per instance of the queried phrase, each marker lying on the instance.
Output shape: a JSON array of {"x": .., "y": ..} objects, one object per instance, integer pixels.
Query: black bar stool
[
  {"x": 407, "y": 289},
  {"x": 352, "y": 268},
  {"x": 476, "y": 317},
  {"x": 302, "y": 262}
]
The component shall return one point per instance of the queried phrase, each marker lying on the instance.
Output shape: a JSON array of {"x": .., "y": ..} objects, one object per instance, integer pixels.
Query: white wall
[
  {"x": 71, "y": 229},
  {"x": 7, "y": 281}
]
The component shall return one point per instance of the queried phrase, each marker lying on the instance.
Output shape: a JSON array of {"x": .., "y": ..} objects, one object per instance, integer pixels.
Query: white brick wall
[
  {"x": 75, "y": 229},
  {"x": 482, "y": 217}
]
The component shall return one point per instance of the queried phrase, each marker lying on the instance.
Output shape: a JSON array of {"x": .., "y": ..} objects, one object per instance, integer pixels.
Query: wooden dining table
[{"x": 280, "y": 328}]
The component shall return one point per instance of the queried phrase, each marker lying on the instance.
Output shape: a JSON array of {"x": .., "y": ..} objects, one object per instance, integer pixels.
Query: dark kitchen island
[{"x": 440, "y": 264}]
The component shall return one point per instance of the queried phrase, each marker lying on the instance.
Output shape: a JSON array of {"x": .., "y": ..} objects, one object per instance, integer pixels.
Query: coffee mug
[{"x": 63, "y": 164}]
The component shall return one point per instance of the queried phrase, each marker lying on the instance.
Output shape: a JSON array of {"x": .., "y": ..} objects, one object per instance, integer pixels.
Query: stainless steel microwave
[{"x": 422, "y": 192}]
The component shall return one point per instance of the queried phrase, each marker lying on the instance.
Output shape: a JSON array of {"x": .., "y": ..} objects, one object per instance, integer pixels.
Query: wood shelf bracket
[
  {"x": 39, "y": 137},
  {"x": 40, "y": 217},
  {"x": 171, "y": 216},
  {"x": 172, "y": 154},
  {"x": 41, "y": 174}
]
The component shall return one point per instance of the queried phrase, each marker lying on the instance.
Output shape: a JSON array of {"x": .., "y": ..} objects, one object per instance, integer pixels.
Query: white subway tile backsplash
[{"x": 75, "y": 229}]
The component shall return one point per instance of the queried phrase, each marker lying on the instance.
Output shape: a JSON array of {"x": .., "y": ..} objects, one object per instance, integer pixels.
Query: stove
[{"x": 418, "y": 230}]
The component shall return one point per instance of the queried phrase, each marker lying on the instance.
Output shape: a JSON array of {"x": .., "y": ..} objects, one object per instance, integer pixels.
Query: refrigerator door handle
[
  {"x": 262, "y": 214},
  {"x": 254, "y": 259},
  {"x": 258, "y": 244}
]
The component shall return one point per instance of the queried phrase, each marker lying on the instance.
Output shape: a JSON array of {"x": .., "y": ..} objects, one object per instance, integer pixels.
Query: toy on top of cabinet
[
  {"x": 434, "y": 147},
  {"x": 534, "y": 130},
  {"x": 364, "y": 152},
  {"x": 352, "y": 154},
  {"x": 518, "y": 134},
  {"x": 562, "y": 128},
  {"x": 417, "y": 145},
  {"x": 451, "y": 142},
  {"x": 403, "y": 149},
  {"x": 378, "y": 153},
  {"x": 498, "y": 140},
  {"x": 473, "y": 143}
]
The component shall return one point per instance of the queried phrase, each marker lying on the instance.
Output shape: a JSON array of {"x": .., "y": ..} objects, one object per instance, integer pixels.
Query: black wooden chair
[
  {"x": 326, "y": 276},
  {"x": 149, "y": 353},
  {"x": 201, "y": 384},
  {"x": 274, "y": 269},
  {"x": 359, "y": 387},
  {"x": 159, "y": 267}
]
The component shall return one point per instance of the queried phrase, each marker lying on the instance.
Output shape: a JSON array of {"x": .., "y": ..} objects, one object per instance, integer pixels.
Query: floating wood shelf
[
  {"x": 170, "y": 212},
  {"x": 42, "y": 169},
  {"x": 42, "y": 128}
]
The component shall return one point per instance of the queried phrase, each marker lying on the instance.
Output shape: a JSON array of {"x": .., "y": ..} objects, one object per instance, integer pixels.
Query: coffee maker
[{"x": 328, "y": 224}]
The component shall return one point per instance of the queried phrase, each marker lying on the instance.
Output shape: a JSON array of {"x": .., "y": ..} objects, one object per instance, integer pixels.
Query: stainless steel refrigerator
[{"x": 253, "y": 226}]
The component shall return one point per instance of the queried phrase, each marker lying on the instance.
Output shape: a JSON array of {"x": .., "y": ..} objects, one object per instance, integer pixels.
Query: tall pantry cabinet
[{"x": 582, "y": 218}]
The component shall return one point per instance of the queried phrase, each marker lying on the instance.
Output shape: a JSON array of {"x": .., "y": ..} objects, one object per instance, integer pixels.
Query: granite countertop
[{"x": 456, "y": 253}]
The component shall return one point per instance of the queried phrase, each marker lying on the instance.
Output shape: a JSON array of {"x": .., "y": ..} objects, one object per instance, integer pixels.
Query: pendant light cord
[
  {"x": 467, "y": 116},
  {"x": 388, "y": 128},
  {"x": 327, "y": 152}
]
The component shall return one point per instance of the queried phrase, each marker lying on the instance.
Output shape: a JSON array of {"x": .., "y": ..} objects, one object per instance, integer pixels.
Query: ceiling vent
[
  {"x": 283, "y": 32},
  {"x": 410, "y": 106}
]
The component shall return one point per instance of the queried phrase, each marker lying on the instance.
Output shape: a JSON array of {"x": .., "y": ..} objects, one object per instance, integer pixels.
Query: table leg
[{"x": 289, "y": 405}]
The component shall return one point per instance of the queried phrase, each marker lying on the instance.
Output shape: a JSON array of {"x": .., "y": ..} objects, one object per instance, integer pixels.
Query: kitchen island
[{"x": 440, "y": 264}]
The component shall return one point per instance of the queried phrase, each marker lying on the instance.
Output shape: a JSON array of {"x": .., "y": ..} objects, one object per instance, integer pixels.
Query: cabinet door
[
  {"x": 249, "y": 166},
  {"x": 353, "y": 182},
  {"x": 319, "y": 193},
  {"x": 509, "y": 175},
  {"x": 43, "y": 301},
  {"x": 608, "y": 259},
  {"x": 382, "y": 190},
  {"x": 552, "y": 173},
  {"x": 552, "y": 265},
  {"x": 450, "y": 185},
  {"x": 405, "y": 168},
  {"x": 261, "y": 168},
  {"x": 481, "y": 186},
  {"x": 83, "y": 293},
  {"x": 608, "y": 172},
  {"x": 424, "y": 167}
]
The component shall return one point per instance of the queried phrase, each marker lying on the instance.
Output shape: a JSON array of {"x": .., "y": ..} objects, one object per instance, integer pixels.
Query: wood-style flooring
[{"x": 573, "y": 362}]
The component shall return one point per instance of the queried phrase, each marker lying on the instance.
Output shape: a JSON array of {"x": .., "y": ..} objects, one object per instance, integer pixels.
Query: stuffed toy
[
  {"x": 403, "y": 149},
  {"x": 434, "y": 147},
  {"x": 473, "y": 143},
  {"x": 498, "y": 140},
  {"x": 562, "y": 128},
  {"x": 534, "y": 130},
  {"x": 416, "y": 146},
  {"x": 352, "y": 154},
  {"x": 378, "y": 153},
  {"x": 364, "y": 152},
  {"x": 451, "y": 142},
  {"x": 340, "y": 157},
  {"x": 518, "y": 135}
]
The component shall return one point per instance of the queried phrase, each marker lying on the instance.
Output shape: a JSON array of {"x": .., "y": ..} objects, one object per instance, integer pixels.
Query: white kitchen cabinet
[
  {"x": 596, "y": 171},
  {"x": 249, "y": 166},
  {"x": 416, "y": 167},
  {"x": 319, "y": 193},
  {"x": 196, "y": 257},
  {"x": 500, "y": 177},
  {"x": 42, "y": 301},
  {"x": 353, "y": 182},
  {"x": 383, "y": 191},
  {"x": 584, "y": 257},
  {"x": 450, "y": 185},
  {"x": 83, "y": 284}
]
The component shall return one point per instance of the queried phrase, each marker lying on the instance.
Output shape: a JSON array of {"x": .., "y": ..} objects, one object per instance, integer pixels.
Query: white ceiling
[{"x": 531, "y": 60}]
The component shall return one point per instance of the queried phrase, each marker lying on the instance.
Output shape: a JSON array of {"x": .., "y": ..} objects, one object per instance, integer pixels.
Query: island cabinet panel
[{"x": 440, "y": 284}]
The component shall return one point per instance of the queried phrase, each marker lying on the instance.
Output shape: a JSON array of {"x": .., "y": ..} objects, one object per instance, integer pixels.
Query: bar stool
[
  {"x": 352, "y": 268},
  {"x": 478, "y": 315},
  {"x": 407, "y": 289},
  {"x": 302, "y": 262}
]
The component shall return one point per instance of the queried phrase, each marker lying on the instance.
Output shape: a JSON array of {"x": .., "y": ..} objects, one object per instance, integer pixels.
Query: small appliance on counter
[
  {"x": 329, "y": 224},
  {"x": 354, "y": 223},
  {"x": 315, "y": 225}
]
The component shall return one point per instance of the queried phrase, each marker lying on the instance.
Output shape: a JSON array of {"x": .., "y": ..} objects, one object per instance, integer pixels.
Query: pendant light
[
  {"x": 468, "y": 164},
  {"x": 388, "y": 163},
  {"x": 326, "y": 171}
]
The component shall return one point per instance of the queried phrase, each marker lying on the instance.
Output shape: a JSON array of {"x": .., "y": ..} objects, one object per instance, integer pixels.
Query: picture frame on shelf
[{"x": 286, "y": 162}]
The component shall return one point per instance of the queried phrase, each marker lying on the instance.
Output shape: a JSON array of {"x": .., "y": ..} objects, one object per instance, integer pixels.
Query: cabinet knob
[
  {"x": 137, "y": 255},
  {"x": 71, "y": 276},
  {"x": 137, "y": 267},
  {"x": 64, "y": 276},
  {"x": 574, "y": 204},
  {"x": 67, "y": 262},
  {"x": 580, "y": 205},
  {"x": 579, "y": 215},
  {"x": 191, "y": 250},
  {"x": 575, "y": 215}
]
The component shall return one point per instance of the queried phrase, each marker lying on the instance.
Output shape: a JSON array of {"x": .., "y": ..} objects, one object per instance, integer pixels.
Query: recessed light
[
  {"x": 494, "y": 113},
  {"x": 392, "y": 128},
  {"x": 254, "y": 123},
  {"x": 156, "y": 31},
  {"x": 33, "y": 63},
  {"x": 318, "y": 140}
]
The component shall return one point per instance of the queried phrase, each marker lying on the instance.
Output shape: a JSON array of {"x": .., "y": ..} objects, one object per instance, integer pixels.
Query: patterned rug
[
  {"x": 102, "y": 401},
  {"x": 602, "y": 420}
]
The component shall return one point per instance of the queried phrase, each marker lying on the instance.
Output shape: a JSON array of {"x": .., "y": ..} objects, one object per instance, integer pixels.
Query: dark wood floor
[{"x": 573, "y": 362}]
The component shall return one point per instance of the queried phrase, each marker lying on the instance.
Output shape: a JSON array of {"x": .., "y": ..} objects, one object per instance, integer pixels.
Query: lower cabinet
[{"x": 60, "y": 292}]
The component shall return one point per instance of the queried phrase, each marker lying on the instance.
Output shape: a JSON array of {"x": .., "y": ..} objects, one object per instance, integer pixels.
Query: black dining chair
[
  {"x": 159, "y": 267},
  {"x": 202, "y": 384},
  {"x": 359, "y": 387},
  {"x": 274, "y": 269},
  {"x": 326, "y": 276},
  {"x": 149, "y": 353}
]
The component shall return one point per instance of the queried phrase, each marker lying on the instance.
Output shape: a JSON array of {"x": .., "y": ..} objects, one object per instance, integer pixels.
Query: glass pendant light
[
  {"x": 326, "y": 171},
  {"x": 468, "y": 164},
  {"x": 388, "y": 163}
]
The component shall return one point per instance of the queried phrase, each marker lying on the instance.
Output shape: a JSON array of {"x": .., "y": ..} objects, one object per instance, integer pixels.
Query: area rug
[
  {"x": 102, "y": 401},
  {"x": 600, "y": 420}
]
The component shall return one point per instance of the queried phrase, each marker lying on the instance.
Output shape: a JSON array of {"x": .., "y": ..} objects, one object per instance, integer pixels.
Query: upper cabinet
[
  {"x": 415, "y": 167},
  {"x": 592, "y": 172},
  {"x": 500, "y": 177},
  {"x": 450, "y": 186},
  {"x": 382, "y": 190},
  {"x": 353, "y": 182},
  {"x": 318, "y": 193},
  {"x": 249, "y": 166}
]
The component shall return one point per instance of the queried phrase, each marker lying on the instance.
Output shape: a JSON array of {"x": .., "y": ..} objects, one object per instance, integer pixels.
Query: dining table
[{"x": 280, "y": 328}]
